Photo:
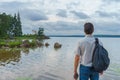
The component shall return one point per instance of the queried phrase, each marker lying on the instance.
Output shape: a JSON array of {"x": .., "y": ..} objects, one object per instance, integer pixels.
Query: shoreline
[{"x": 114, "y": 36}]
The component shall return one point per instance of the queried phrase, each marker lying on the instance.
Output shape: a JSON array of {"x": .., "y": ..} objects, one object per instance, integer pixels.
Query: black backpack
[{"x": 100, "y": 59}]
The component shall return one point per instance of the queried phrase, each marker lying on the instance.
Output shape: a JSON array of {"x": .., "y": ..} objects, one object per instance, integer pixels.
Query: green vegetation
[
  {"x": 10, "y": 44},
  {"x": 11, "y": 34},
  {"x": 14, "y": 44},
  {"x": 19, "y": 44},
  {"x": 24, "y": 78},
  {"x": 9, "y": 55},
  {"x": 2, "y": 43},
  {"x": 10, "y": 26}
]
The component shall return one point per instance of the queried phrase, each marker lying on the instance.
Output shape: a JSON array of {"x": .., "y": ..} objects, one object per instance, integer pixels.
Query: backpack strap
[{"x": 96, "y": 42}]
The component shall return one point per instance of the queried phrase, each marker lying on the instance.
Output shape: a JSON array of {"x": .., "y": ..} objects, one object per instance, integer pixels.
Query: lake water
[{"x": 47, "y": 63}]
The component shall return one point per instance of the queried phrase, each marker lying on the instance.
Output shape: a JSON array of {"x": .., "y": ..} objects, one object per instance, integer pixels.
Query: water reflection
[
  {"x": 7, "y": 56},
  {"x": 48, "y": 63},
  {"x": 26, "y": 50}
]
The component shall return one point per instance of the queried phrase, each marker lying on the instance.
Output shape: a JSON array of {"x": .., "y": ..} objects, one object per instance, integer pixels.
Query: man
[{"x": 84, "y": 54}]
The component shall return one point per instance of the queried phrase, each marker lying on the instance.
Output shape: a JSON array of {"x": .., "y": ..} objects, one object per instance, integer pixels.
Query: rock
[
  {"x": 46, "y": 37},
  {"x": 57, "y": 45},
  {"x": 47, "y": 44},
  {"x": 39, "y": 44},
  {"x": 25, "y": 43}
]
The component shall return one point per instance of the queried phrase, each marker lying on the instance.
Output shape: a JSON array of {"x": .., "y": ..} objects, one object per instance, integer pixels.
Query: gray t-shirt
[{"x": 85, "y": 50}]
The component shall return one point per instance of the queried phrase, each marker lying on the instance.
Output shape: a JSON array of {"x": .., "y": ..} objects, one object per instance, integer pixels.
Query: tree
[
  {"x": 14, "y": 25},
  {"x": 19, "y": 25},
  {"x": 4, "y": 24},
  {"x": 41, "y": 32},
  {"x": 17, "y": 28},
  {"x": 10, "y": 25}
]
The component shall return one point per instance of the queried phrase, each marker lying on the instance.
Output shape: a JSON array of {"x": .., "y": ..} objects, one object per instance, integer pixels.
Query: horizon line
[{"x": 97, "y": 35}]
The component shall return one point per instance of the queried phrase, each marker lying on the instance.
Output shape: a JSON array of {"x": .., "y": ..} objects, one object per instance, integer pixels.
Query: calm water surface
[{"x": 47, "y": 63}]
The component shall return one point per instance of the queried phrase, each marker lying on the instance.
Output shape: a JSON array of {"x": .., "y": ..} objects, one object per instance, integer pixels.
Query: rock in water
[{"x": 57, "y": 45}]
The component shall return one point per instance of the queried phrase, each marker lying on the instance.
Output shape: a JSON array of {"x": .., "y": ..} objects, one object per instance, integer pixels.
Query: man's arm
[{"x": 76, "y": 62}]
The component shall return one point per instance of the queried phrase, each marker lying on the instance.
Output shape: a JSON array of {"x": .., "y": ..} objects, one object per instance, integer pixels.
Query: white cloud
[
  {"x": 34, "y": 15},
  {"x": 89, "y": 7},
  {"x": 59, "y": 16},
  {"x": 80, "y": 15},
  {"x": 62, "y": 13}
]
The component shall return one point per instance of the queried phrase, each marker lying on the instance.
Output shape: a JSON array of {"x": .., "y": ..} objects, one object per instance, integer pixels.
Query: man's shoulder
[
  {"x": 82, "y": 41},
  {"x": 87, "y": 40}
]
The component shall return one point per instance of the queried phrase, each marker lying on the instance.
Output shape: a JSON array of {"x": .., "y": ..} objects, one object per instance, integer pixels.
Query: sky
[{"x": 65, "y": 17}]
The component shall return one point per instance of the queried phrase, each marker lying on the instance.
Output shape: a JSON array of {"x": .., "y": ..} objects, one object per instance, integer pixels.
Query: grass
[
  {"x": 24, "y": 78},
  {"x": 2, "y": 43},
  {"x": 33, "y": 43},
  {"x": 18, "y": 43},
  {"x": 13, "y": 44}
]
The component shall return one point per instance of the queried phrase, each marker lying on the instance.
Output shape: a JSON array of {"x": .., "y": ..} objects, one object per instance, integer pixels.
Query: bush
[
  {"x": 13, "y": 44},
  {"x": 2, "y": 44},
  {"x": 33, "y": 43}
]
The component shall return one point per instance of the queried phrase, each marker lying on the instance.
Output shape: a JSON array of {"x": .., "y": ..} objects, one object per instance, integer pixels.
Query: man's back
[{"x": 86, "y": 50}]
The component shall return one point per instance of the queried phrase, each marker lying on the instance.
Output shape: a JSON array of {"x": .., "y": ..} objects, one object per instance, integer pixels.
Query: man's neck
[{"x": 88, "y": 35}]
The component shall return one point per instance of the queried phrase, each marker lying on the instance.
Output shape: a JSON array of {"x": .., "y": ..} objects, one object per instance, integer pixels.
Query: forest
[{"x": 10, "y": 26}]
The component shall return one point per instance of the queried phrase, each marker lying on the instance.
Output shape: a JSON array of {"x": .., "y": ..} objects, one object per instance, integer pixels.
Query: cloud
[
  {"x": 110, "y": 6},
  {"x": 107, "y": 27},
  {"x": 25, "y": 10},
  {"x": 12, "y": 7},
  {"x": 62, "y": 13},
  {"x": 104, "y": 14},
  {"x": 12, "y": 4},
  {"x": 112, "y": 0},
  {"x": 110, "y": 15},
  {"x": 72, "y": 5},
  {"x": 62, "y": 27},
  {"x": 65, "y": 17},
  {"x": 80, "y": 15},
  {"x": 34, "y": 15}
]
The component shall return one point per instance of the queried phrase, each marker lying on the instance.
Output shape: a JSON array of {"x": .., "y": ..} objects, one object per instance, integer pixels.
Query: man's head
[{"x": 88, "y": 28}]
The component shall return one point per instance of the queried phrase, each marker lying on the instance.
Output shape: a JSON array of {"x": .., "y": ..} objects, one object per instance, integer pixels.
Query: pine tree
[
  {"x": 10, "y": 25},
  {"x": 19, "y": 25},
  {"x": 15, "y": 29},
  {"x": 41, "y": 32}
]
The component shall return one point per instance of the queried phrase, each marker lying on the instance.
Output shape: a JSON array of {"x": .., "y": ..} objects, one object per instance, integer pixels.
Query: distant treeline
[
  {"x": 10, "y": 26},
  {"x": 83, "y": 35}
]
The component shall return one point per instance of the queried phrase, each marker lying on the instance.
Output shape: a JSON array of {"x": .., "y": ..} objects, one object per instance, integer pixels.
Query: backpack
[{"x": 100, "y": 59}]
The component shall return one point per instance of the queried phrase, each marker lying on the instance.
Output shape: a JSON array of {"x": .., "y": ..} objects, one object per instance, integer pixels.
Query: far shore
[{"x": 115, "y": 36}]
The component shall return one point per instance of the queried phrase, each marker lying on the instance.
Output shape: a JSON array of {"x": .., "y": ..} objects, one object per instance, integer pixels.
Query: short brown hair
[{"x": 88, "y": 28}]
